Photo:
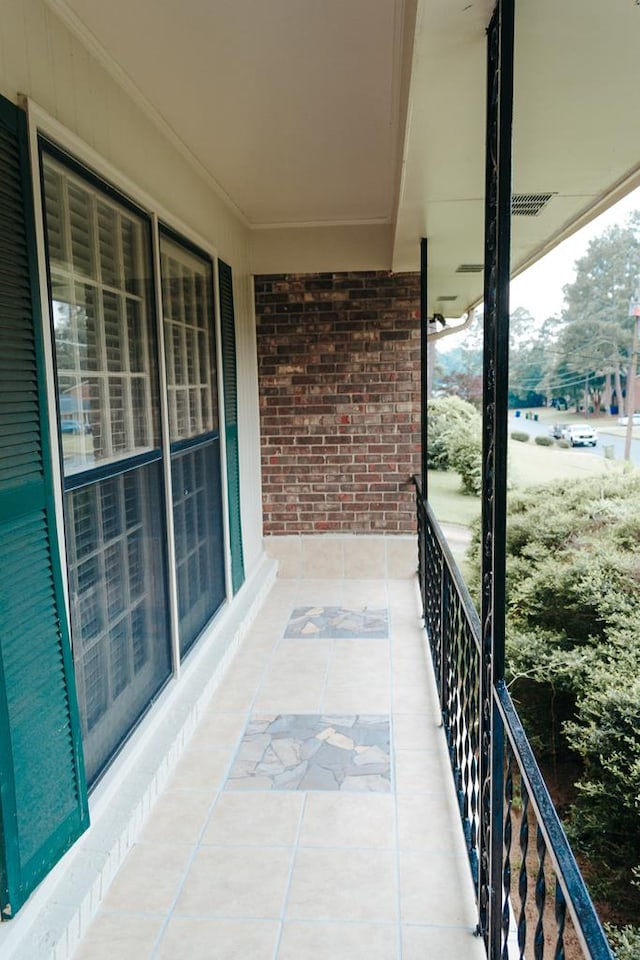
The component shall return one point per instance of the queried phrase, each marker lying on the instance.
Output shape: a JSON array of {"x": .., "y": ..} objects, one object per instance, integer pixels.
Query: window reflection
[{"x": 99, "y": 265}]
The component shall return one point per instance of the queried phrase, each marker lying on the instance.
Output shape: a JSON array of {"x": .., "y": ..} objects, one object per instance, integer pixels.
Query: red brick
[{"x": 339, "y": 391}]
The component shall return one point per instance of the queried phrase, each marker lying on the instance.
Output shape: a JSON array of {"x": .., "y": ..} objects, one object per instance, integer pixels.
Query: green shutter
[
  {"x": 43, "y": 801},
  {"x": 228, "y": 331}
]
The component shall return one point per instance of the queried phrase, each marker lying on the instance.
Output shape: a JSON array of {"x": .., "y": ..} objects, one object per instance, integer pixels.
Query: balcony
[{"x": 313, "y": 812}]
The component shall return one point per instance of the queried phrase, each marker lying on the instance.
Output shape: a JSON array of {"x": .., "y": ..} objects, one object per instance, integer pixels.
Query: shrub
[
  {"x": 564, "y": 444},
  {"x": 520, "y": 436},
  {"x": 625, "y": 941},
  {"x": 544, "y": 441},
  {"x": 464, "y": 453},
  {"x": 447, "y": 415},
  {"x": 573, "y": 657}
]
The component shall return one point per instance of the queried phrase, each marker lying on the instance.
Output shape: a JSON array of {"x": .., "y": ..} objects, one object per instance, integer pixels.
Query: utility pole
[{"x": 634, "y": 311}]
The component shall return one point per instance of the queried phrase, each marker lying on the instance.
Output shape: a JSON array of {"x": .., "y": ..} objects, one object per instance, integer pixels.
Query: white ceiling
[{"x": 328, "y": 123}]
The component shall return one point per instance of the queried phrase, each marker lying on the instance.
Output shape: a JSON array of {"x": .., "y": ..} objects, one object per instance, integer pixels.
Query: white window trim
[{"x": 41, "y": 124}]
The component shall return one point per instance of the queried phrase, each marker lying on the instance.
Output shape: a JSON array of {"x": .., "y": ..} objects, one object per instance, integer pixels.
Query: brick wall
[{"x": 339, "y": 379}]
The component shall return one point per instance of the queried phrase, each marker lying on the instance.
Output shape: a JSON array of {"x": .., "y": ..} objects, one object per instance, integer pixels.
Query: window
[
  {"x": 187, "y": 287},
  {"x": 108, "y": 402},
  {"x": 100, "y": 284},
  {"x": 189, "y": 341}
]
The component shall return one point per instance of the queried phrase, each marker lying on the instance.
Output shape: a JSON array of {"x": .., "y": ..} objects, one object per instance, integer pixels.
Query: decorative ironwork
[
  {"x": 522, "y": 873},
  {"x": 541, "y": 895},
  {"x": 561, "y": 919},
  {"x": 506, "y": 870},
  {"x": 520, "y": 898}
]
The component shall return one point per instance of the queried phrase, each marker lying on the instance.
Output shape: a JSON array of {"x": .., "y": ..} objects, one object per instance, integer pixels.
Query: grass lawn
[
  {"x": 529, "y": 464},
  {"x": 449, "y": 503}
]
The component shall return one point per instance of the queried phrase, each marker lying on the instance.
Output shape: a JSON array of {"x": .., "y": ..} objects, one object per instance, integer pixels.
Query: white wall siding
[{"x": 44, "y": 60}]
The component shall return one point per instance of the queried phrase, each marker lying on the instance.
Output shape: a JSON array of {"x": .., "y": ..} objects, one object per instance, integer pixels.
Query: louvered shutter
[
  {"x": 43, "y": 802},
  {"x": 228, "y": 331}
]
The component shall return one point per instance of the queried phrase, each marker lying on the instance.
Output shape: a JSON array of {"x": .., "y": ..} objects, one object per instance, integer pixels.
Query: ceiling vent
[
  {"x": 470, "y": 268},
  {"x": 529, "y": 204},
  {"x": 448, "y": 298}
]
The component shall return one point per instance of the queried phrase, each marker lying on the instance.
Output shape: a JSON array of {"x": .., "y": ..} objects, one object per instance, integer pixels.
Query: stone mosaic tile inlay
[
  {"x": 311, "y": 752},
  {"x": 335, "y": 623}
]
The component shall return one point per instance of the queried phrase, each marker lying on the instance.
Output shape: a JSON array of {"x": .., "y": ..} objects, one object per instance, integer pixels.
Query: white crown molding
[
  {"x": 43, "y": 124},
  {"x": 122, "y": 78},
  {"x": 318, "y": 224}
]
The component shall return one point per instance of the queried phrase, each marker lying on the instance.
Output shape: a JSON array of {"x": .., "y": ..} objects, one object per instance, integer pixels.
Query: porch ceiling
[{"x": 345, "y": 130}]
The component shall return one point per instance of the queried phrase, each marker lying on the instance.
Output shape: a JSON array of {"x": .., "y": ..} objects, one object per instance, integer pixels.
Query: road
[{"x": 536, "y": 429}]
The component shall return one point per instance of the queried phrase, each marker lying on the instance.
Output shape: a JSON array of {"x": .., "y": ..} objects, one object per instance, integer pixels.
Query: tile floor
[{"x": 313, "y": 815}]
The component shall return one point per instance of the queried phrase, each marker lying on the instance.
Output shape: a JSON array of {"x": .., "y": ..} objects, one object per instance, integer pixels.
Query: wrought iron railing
[{"x": 543, "y": 902}]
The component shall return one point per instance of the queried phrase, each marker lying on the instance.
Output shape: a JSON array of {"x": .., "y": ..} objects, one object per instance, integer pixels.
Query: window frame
[{"x": 46, "y": 133}]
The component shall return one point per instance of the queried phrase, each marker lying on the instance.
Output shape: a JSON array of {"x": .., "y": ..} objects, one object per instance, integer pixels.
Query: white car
[
  {"x": 623, "y": 421},
  {"x": 580, "y": 435}
]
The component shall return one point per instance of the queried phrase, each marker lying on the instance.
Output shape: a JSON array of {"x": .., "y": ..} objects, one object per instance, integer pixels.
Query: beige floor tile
[
  {"x": 247, "y": 673},
  {"x": 405, "y": 601},
  {"x": 404, "y": 590},
  {"x": 413, "y": 672},
  {"x": 322, "y": 558},
  {"x": 230, "y": 699},
  {"x": 355, "y": 885},
  {"x": 114, "y": 935},
  {"x": 271, "y": 819},
  {"x": 149, "y": 878},
  {"x": 218, "y": 730},
  {"x": 236, "y": 882},
  {"x": 402, "y": 557},
  {"x": 430, "y": 822},
  {"x": 206, "y": 939},
  {"x": 178, "y": 817},
  {"x": 356, "y": 697},
  {"x": 419, "y": 943},
  {"x": 411, "y": 699},
  {"x": 357, "y": 671},
  {"x": 422, "y": 771},
  {"x": 322, "y": 592},
  {"x": 287, "y": 550},
  {"x": 301, "y": 652},
  {"x": 290, "y": 685},
  {"x": 364, "y": 661},
  {"x": 259, "y": 646},
  {"x": 289, "y": 700},
  {"x": 338, "y": 941},
  {"x": 364, "y": 558},
  {"x": 343, "y": 820},
  {"x": 408, "y": 636},
  {"x": 365, "y": 592},
  {"x": 436, "y": 890},
  {"x": 201, "y": 769},
  {"x": 416, "y": 731}
]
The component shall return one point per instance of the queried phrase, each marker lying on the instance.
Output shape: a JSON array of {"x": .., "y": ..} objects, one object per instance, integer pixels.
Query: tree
[
  {"x": 593, "y": 349},
  {"x": 459, "y": 370}
]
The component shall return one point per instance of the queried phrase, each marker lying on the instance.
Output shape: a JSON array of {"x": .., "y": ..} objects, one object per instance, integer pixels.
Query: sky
[{"x": 539, "y": 289}]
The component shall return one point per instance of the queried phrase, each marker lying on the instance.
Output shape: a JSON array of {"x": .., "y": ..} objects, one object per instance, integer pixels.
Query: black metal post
[
  {"x": 494, "y": 458},
  {"x": 424, "y": 362}
]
